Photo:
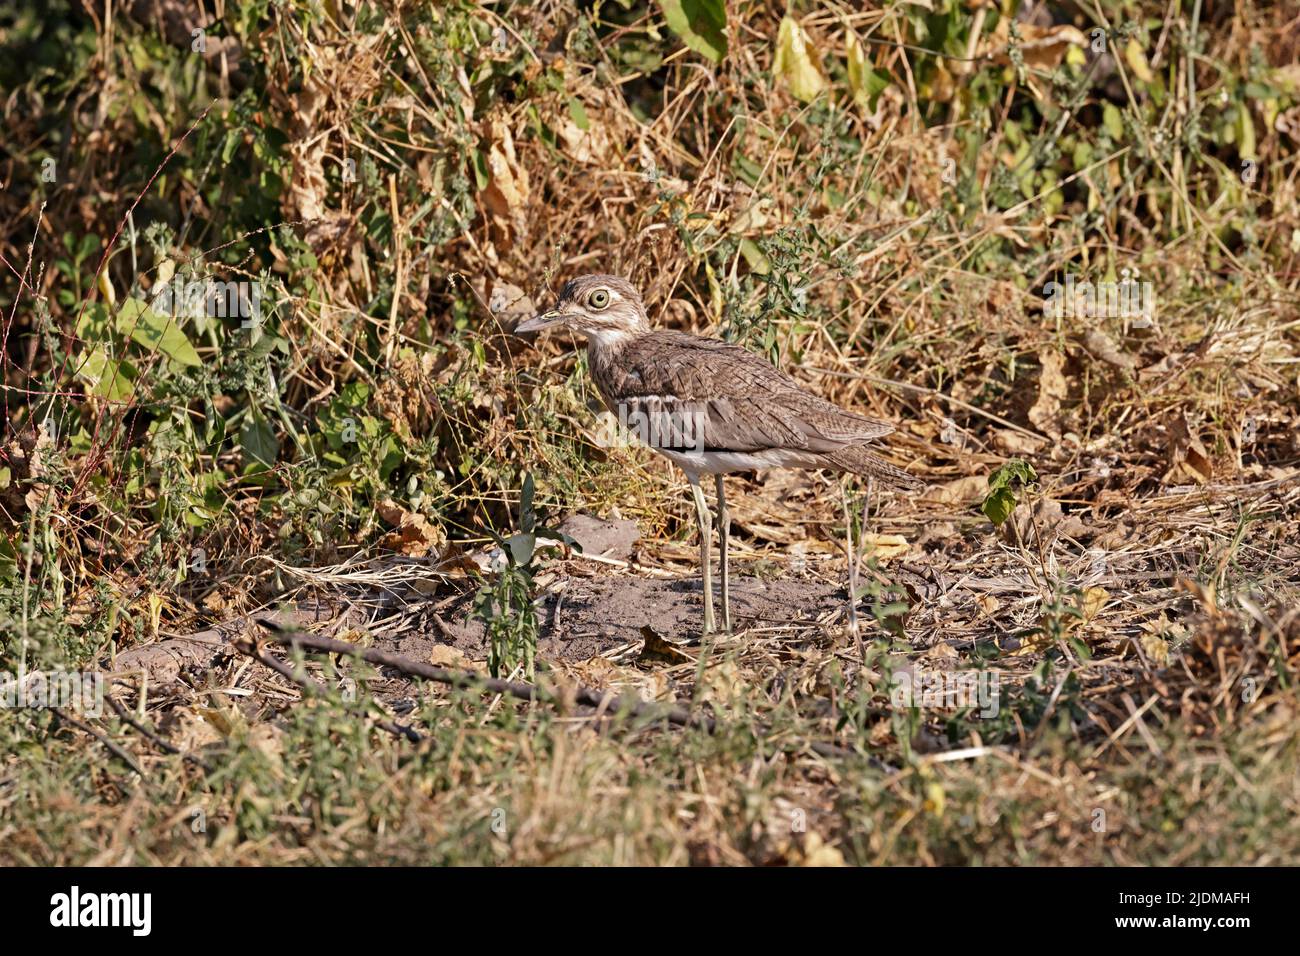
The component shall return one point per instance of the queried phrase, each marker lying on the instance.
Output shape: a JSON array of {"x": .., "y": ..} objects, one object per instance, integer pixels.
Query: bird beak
[{"x": 539, "y": 322}]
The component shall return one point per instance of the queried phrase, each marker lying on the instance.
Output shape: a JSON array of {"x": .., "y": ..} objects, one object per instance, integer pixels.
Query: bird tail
[{"x": 860, "y": 460}]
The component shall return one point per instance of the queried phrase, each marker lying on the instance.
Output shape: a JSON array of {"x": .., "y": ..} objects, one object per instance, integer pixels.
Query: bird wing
[{"x": 743, "y": 402}]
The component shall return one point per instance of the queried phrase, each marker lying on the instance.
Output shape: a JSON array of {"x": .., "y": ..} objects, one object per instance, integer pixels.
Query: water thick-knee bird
[{"x": 710, "y": 407}]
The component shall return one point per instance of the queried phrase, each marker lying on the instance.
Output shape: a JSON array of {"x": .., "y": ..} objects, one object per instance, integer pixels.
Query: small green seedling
[
  {"x": 1003, "y": 484},
  {"x": 506, "y": 605}
]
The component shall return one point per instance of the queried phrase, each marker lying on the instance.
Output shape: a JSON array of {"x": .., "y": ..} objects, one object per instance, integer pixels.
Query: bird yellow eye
[{"x": 598, "y": 299}]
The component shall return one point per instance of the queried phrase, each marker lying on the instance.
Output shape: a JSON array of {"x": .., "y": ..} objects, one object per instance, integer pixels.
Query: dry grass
[{"x": 1139, "y": 608}]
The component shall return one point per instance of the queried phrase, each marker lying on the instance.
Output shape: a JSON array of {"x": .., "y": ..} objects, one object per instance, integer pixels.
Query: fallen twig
[
  {"x": 600, "y": 700},
  {"x": 155, "y": 739},
  {"x": 112, "y": 747},
  {"x": 310, "y": 684}
]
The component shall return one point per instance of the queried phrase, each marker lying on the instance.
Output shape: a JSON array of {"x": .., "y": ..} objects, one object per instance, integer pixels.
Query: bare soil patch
[{"x": 584, "y": 617}]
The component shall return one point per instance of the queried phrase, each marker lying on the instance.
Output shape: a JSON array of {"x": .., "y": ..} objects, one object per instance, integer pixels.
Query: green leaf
[
  {"x": 521, "y": 548},
  {"x": 999, "y": 505},
  {"x": 390, "y": 458},
  {"x": 233, "y": 138},
  {"x": 865, "y": 81},
  {"x": 526, "y": 516},
  {"x": 747, "y": 169},
  {"x": 877, "y": 81},
  {"x": 156, "y": 332},
  {"x": 258, "y": 441},
  {"x": 112, "y": 379},
  {"x": 93, "y": 324},
  {"x": 702, "y": 25},
  {"x": 1113, "y": 120},
  {"x": 560, "y": 536},
  {"x": 355, "y": 394},
  {"x": 579, "y": 114},
  {"x": 1015, "y": 471},
  {"x": 754, "y": 257},
  {"x": 482, "y": 176},
  {"x": 9, "y": 551},
  {"x": 1001, "y": 499}
]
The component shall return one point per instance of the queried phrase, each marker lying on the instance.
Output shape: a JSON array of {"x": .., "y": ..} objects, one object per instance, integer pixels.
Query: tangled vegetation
[{"x": 260, "y": 275}]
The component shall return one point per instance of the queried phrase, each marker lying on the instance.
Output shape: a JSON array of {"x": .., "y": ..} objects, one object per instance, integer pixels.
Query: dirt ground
[{"x": 588, "y": 616}]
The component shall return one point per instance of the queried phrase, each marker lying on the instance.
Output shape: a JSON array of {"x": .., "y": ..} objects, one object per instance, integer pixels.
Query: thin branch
[
  {"x": 113, "y": 748},
  {"x": 154, "y": 738},
  {"x": 313, "y": 686},
  {"x": 468, "y": 680}
]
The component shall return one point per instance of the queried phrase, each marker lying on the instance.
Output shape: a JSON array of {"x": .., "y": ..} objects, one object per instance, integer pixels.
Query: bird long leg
[
  {"x": 706, "y": 532},
  {"x": 724, "y": 531},
  {"x": 866, "y": 511},
  {"x": 851, "y": 553},
  {"x": 862, "y": 537}
]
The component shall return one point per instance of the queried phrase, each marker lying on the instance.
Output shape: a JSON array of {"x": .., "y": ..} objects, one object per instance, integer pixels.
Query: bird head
[{"x": 593, "y": 305}]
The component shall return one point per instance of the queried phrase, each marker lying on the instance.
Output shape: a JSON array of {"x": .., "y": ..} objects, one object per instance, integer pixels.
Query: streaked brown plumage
[
  {"x": 745, "y": 404},
  {"x": 743, "y": 414}
]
